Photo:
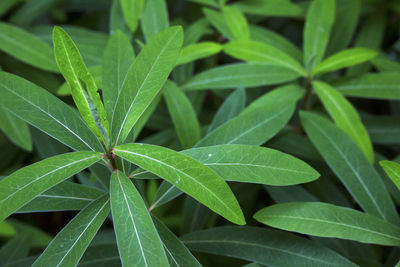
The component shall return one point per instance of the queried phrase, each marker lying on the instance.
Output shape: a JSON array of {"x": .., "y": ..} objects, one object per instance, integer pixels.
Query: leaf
[
  {"x": 231, "y": 107},
  {"x": 218, "y": 21},
  {"x": 137, "y": 238},
  {"x": 15, "y": 249},
  {"x": 392, "y": 169},
  {"x": 187, "y": 174},
  {"x": 385, "y": 85},
  {"x": 25, "y": 184},
  {"x": 253, "y": 51},
  {"x": 253, "y": 164},
  {"x": 46, "y": 112},
  {"x": 279, "y": 8},
  {"x": 271, "y": 38},
  {"x": 154, "y": 18},
  {"x": 100, "y": 255},
  {"x": 67, "y": 248},
  {"x": 165, "y": 193},
  {"x": 118, "y": 58},
  {"x": 178, "y": 254},
  {"x": 319, "y": 21},
  {"x": 6, "y": 229},
  {"x": 327, "y": 220},
  {"x": 195, "y": 31},
  {"x": 260, "y": 121},
  {"x": 236, "y": 22},
  {"x": 350, "y": 165},
  {"x": 345, "y": 116},
  {"x": 81, "y": 82},
  {"x": 198, "y": 51},
  {"x": 117, "y": 20},
  {"x": 265, "y": 246},
  {"x": 144, "y": 80},
  {"x": 240, "y": 75},
  {"x": 26, "y": 47},
  {"x": 64, "y": 196},
  {"x": 132, "y": 9},
  {"x": 15, "y": 129},
  {"x": 95, "y": 71},
  {"x": 345, "y": 58},
  {"x": 347, "y": 16}
]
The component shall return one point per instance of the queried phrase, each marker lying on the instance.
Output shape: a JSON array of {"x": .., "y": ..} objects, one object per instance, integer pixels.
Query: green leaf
[
  {"x": 178, "y": 254},
  {"x": 137, "y": 237},
  {"x": 26, "y": 47},
  {"x": 6, "y": 229},
  {"x": 231, "y": 107},
  {"x": 15, "y": 129},
  {"x": 64, "y": 196},
  {"x": 319, "y": 21},
  {"x": 81, "y": 82},
  {"x": 95, "y": 71},
  {"x": 345, "y": 116},
  {"x": 344, "y": 59},
  {"x": 253, "y": 51},
  {"x": 46, "y": 112},
  {"x": 264, "y": 246},
  {"x": 218, "y": 21},
  {"x": 154, "y": 18},
  {"x": 393, "y": 171},
  {"x": 271, "y": 38},
  {"x": 183, "y": 115},
  {"x": 187, "y": 174},
  {"x": 351, "y": 166},
  {"x": 144, "y": 80},
  {"x": 384, "y": 85},
  {"x": 253, "y": 164},
  {"x": 279, "y": 8},
  {"x": 15, "y": 249},
  {"x": 260, "y": 121},
  {"x": 67, "y": 248},
  {"x": 25, "y": 184},
  {"x": 132, "y": 10},
  {"x": 118, "y": 58},
  {"x": 240, "y": 75},
  {"x": 383, "y": 129},
  {"x": 100, "y": 255},
  {"x": 347, "y": 16},
  {"x": 196, "y": 30},
  {"x": 165, "y": 193},
  {"x": 6, "y": 5},
  {"x": 327, "y": 220},
  {"x": 236, "y": 22},
  {"x": 198, "y": 51}
]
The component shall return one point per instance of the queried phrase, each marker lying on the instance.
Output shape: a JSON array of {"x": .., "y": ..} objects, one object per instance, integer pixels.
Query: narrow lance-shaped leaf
[
  {"x": 231, "y": 107},
  {"x": 81, "y": 82},
  {"x": 15, "y": 129},
  {"x": 393, "y": 171},
  {"x": 385, "y": 85},
  {"x": 15, "y": 249},
  {"x": 183, "y": 115},
  {"x": 351, "y": 166},
  {"x": 67, "y": 248},
  {"x": 154, "y": 18},
  {"x": 218, "y": 21},
  {"x": 26, "y": 47},
  {"x": 64, "y": 196},
  {"x": 345, "y": 117},
  {"x": 260, "y": 121},
  {"x": 240, "y": 75},
  {"x": 236, "y": 22},
  {"x": 253, "y": 51},
  {"x": 279, "y": 8},
  {"x": 252, "y": 164},
  {"x": 345, "y": 58},
  {"x": 188, "y": 175},
  {"x": 327, "y": 220},
  {"x": 118, "y": 57},
  {"x": 197, "y": 51},
  {"x": 132, "y": 9},
  {"x": 25, "y": 184},
  {"x": 264, "y": 246},
  {"x": 144, "y": 80},
  {"x": 178, "y": 254},
  {"x": 319, "y": 21},
  {"x": 137, "y": 238}
]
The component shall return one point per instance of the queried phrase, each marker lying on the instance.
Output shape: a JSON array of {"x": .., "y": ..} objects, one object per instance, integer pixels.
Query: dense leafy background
[{"x": 279, "y": 116}]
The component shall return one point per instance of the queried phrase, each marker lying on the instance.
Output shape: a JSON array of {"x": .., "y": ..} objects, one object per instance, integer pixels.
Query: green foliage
[{"x": 136, "y": 132}]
